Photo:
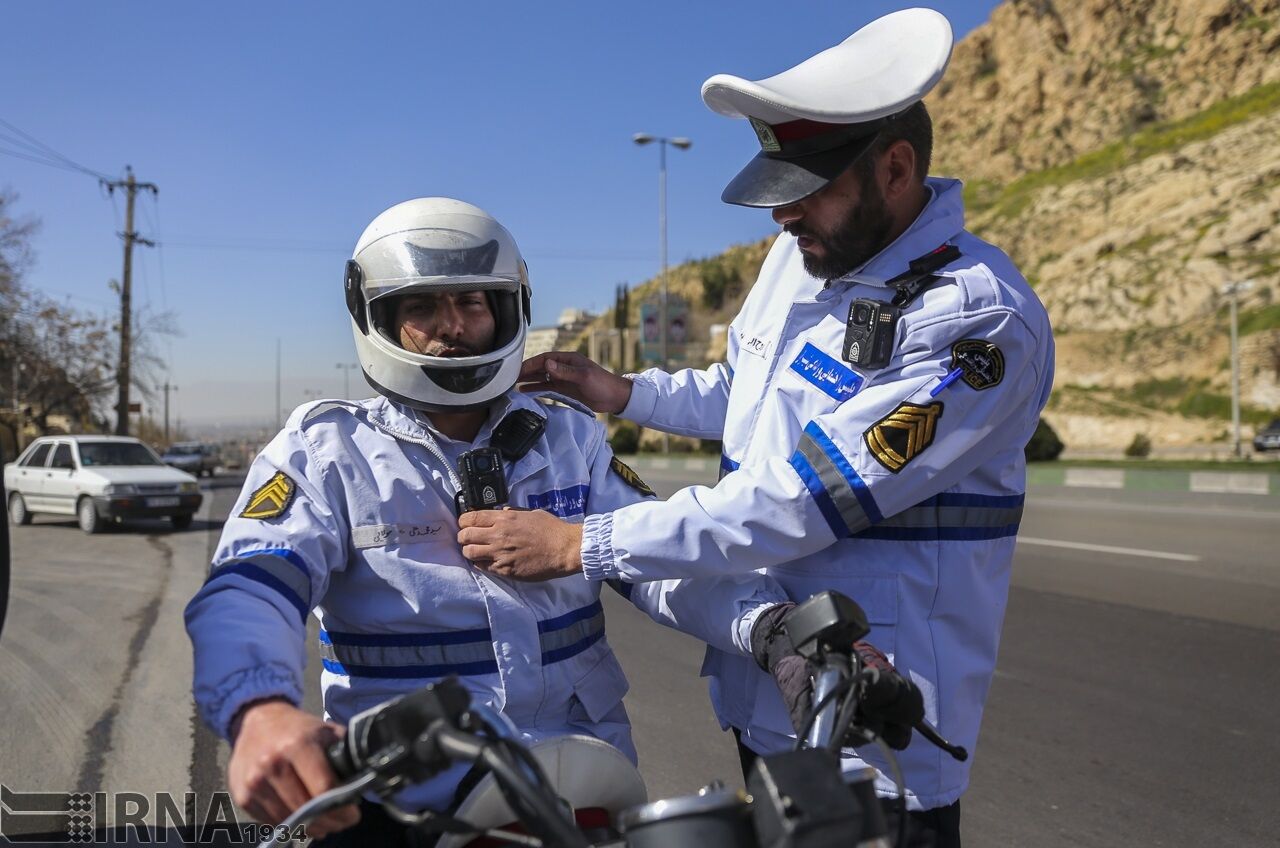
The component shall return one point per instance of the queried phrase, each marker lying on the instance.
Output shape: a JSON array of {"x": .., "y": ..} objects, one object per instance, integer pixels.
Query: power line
[
  {"x": 233, "y": 245},
  {"x": 52, "y": 157},
  {"x": 37, "y": 160},
  {"x": 288, "y": 246}
]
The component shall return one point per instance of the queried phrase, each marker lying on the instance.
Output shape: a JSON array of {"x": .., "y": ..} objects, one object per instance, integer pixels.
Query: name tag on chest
[
  {"x": 827, "y": 373},
  {"x": 754, "y": 345},
  {"x": 383, "y": 535}
]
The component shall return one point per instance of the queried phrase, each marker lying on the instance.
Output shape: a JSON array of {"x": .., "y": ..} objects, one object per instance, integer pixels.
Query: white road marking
[
  {"x": 1094, "y": 478},
  {"x": 1108, "y": 549},
  {"x": 1246, "y": 483}
]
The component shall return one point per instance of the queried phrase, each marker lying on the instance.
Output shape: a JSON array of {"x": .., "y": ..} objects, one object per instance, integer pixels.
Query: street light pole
[
  {"x": 680, "y": 143},
  {"x": 1232, "y": 291},
  {"x": 346, "y": 368},
  {"x": 167, "y": 388}
]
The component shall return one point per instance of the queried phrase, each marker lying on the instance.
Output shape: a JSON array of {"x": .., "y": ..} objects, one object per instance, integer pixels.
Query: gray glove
[
  {"x": 889, "y": 705},
  {"x": 772, "y": 649}
]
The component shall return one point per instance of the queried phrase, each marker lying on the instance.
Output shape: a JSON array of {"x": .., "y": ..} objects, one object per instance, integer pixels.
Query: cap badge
[{"x": 768, "y": 141}]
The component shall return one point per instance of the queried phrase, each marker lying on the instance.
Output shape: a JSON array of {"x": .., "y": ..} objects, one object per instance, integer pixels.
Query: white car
[
  {"x": 98, "y": 479},
  {"x": 193, "y": 457}
]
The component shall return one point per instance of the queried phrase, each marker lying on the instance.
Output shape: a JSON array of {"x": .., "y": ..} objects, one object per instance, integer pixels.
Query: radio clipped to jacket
[
  {"x": 872, "y": 325},
  {"x": 869, "y": 332},
  {"x": 484, "y": 483}
]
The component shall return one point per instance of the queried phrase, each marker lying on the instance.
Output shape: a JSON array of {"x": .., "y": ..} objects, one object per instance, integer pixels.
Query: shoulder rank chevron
[{"x": 271, "y": 499}]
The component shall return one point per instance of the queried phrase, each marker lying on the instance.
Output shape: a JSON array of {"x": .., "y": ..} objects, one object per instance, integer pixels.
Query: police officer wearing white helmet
[
  {"x": 881, "y": 381},
  {"x": 351, "y": 513}
]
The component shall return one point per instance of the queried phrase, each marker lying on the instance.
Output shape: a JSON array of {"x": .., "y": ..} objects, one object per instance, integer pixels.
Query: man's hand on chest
[{"x": 521, "y": 544}]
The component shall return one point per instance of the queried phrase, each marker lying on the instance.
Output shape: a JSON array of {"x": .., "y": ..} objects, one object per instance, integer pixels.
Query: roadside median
[{"x": 1259, "y": 483}]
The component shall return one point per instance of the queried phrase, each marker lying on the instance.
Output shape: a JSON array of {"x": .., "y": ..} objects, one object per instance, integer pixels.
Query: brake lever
[
  {"x": 929, "y": 732},
  {"x": 321, "y": 804}
]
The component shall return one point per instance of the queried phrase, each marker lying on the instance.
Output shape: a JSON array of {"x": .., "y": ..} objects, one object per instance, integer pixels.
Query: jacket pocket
[{"x": 602, "y": 688}]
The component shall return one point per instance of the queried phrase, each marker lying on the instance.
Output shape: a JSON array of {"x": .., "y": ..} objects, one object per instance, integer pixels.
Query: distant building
[{"x": 560, "y": 336}]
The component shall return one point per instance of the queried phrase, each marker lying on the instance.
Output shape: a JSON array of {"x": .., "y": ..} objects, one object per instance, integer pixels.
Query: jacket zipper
[{"x": 431, "y": 446}]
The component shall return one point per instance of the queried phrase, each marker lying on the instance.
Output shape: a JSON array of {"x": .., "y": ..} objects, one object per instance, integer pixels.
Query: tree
[
  {"x": 58, "y": 360},
  {"x": 15, "y": 258}
]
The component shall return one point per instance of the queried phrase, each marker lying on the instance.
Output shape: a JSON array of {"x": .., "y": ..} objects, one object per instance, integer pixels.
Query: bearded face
[{"x": 843, "y": 236}]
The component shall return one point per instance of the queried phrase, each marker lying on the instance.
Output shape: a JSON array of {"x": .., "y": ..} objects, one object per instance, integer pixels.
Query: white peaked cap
[{"x": 874, "y": 74}]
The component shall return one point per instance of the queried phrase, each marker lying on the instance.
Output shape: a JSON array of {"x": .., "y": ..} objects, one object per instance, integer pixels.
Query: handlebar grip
[{"x": 339, "y": 758}]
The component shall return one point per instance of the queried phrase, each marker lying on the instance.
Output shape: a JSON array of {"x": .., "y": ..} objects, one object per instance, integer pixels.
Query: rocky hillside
[
  {"x": 1126, "y": 153},
  {"x": 1046, "y": 81}
]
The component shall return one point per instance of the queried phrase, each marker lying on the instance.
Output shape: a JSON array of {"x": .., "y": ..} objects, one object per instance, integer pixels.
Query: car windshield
[
  {"x": 183, "y": 449},
  {"x": 115, "y": 453}
]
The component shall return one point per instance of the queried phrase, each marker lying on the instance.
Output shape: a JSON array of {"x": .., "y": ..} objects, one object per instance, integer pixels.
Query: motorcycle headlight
[{"x": 120, "y": 489}]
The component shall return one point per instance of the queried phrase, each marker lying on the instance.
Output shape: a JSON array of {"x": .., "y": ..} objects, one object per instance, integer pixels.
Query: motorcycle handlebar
[{"x": 419, "y": 734}]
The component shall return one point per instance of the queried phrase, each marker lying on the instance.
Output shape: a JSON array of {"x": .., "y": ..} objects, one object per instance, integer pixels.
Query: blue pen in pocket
[{"x": 946, "y": 381}]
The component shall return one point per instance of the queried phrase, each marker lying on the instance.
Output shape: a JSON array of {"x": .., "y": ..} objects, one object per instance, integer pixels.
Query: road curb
[
  {"x": 1259, "y": 483},
  {"x": 1136, "y": 479}
]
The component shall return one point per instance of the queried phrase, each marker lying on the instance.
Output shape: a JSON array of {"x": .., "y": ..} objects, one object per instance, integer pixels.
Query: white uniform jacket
[
  {"x": 901, "y": 487},
  {"x": 355, "y": 519}
]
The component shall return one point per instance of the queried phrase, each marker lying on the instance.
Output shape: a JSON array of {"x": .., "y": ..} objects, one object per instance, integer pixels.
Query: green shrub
[
  {"x": 718, "y": 282},
  {"x": 1139, "y": 448},
  {"x": 1015, "y": 196},
  {"x": 1157, "y": 393},
  {"x": 1045, "y": 445},
  {"x": 626, "y": 438}
]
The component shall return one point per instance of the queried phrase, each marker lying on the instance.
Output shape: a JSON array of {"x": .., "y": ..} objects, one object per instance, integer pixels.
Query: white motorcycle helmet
[
  {"x": 435, "y": 244},
  {"x": 591, "y": 775}
]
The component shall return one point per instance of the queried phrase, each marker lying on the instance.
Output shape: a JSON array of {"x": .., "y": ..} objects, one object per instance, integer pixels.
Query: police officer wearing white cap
[
  {"x": 351, "y": 512},
  {"x": 881, "y": 381}
]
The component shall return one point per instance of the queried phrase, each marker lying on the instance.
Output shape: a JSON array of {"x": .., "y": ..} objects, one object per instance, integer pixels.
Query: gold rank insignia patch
[
  {"x": 271, "y": 499},
  {"x": 629, "y": 477},
  {"x": 981, "y": 363},
  {"x": 903, "y": 434}
]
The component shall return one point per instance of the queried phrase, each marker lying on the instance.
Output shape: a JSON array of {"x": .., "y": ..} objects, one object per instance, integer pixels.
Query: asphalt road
[{"x": 1133, "y": 704}]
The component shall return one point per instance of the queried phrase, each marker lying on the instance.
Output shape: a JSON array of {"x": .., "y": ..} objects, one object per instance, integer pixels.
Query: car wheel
[
  {"x": 181, "y": 522},
  {"x": 87, "y": 516},
  {"x": 18, "y": 513}
]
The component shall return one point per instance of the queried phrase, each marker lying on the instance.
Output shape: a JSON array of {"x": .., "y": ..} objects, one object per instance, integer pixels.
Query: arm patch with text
[
  {"x": 980, "y": 361},
  {"x": 629, "y": 477}
]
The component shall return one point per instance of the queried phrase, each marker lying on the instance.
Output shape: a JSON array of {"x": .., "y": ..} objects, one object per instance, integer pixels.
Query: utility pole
[
  {"x": 277, "y": 384},
  {"x": 123, "y": 376},
  {"x": 1233, "y": 290},
  {"x": 167, "y": 389}
]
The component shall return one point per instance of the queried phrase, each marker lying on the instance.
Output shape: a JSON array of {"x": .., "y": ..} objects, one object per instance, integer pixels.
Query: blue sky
[{"x": 277, "y": 131}]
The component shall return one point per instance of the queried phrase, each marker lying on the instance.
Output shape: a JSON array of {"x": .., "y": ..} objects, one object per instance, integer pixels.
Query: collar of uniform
[
  {"x": 399, "y": 419},
  {"x": 941, "y": 220},
  {"x": 533, "y": 461}
]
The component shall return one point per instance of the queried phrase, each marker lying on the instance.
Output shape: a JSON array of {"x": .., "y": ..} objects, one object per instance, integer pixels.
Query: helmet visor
[{"x": 459, "y": 250}]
